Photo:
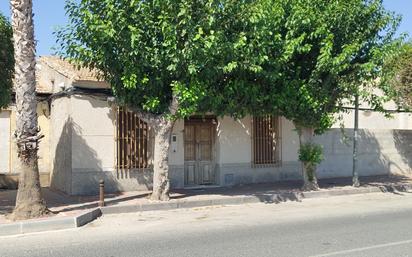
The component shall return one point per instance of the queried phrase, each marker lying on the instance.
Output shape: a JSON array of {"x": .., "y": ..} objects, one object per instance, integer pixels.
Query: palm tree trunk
[{"x": 29, "y": 201}]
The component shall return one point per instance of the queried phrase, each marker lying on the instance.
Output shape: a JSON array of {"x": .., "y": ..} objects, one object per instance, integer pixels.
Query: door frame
[{"x": 212, "y": 120}]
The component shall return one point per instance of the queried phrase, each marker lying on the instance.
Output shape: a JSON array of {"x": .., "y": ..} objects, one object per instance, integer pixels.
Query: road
[{"x": 363, "y": 225}]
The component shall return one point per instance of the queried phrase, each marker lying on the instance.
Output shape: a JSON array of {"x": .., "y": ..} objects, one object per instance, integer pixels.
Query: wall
[
  {"x": 176, "y": 158},
  {"x": 384, "y": 148},
  {"x": 93, "y": 144},
  {"x": 84, "y": 146},
  {"x": 49, "y": 80},
  {"x": 9, "y": 163},
  {"x": 60, "y": 144},
  {"x": 234, "y": 154},
  {"x": 5, "y": 141},
  {"x": 43, "y": 119},
  {"x": 93, "y": 149}
]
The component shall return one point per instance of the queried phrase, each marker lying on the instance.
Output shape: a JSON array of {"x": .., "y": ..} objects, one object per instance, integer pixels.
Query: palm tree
[{"x": 29, "y": 201}]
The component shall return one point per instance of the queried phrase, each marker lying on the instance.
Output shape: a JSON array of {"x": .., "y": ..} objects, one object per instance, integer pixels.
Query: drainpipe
[{"x": 355, "y": 175}]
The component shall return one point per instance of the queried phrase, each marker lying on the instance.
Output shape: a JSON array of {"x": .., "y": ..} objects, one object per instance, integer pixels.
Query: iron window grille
[
  {"x": 132, "y": 137},
  {"x": 265, "y": 140}
]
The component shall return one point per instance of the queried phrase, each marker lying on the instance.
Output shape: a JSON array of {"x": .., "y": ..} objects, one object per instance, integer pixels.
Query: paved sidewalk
[
  {"x": 267, "y": 193},
  {"x": 78, "y": 210},
  {"x": 68, "y": 205}
]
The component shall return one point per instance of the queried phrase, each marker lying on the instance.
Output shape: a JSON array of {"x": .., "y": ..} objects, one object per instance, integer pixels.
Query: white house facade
[{"x": 90, "y": 138}]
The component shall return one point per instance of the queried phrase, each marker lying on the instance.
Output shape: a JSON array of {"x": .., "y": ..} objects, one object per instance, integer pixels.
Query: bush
[{"x": 311, "y": 154}]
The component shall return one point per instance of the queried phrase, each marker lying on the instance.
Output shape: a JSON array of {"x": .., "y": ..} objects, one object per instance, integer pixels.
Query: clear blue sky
[{"x": 50, "y": 13}]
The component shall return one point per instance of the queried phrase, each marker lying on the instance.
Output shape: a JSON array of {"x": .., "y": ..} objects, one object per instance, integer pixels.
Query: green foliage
[
  {"x": 400, "y": 67},
  {"x": 6, "y": 61},
  {"x": 303, "y": 59},
  {"x": 310, "y": 57},
  {"x": 153, "y": 50},
  {"x": 311, "y": 154}
]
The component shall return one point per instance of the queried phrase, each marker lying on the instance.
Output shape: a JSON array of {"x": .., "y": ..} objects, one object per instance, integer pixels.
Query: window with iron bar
[
  {"x": 265, "y": 140},
  {"x": 132, "y": 141}
]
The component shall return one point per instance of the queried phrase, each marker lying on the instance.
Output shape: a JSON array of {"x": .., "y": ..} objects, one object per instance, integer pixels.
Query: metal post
[
  {"x": 355, "y": 176},
  {"x": 101, "y": 193}
]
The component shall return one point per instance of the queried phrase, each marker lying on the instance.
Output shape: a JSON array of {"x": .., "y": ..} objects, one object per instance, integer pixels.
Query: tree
[
  {"x": 29, "y": 202},
  {"x": 160, "y": 57},
  {"x": 169, "y": 59},
  {"x": 6, "y": 61},
  {"x": 400, "y": 66},
  {"x": 316, "y": 56}
]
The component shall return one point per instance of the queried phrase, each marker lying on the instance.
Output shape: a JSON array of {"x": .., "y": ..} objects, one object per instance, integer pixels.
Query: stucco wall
[
  {"x": 381, "y": 151},
  {"x": 5, "y": 141},
  {"x": 384, "y": 147},
  {"x": 234, "y": 154},
  {"x": 93, "y": 149},
  {"x": 84, "y": 136},
  {"x": 375, "y": 120},
  {"x": 234, "y": 141},
  {"x": 9, "y": 163},
  {"x": 60, "y": 144},
  {"x": 177, "y": 157},
  {"x": 43, "y": 119},
  {"x": 49, "y": 80},
  {"x": 93, "y": 144}
]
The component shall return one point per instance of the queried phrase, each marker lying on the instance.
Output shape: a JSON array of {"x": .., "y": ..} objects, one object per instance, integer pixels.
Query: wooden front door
[{"x": 199, "y": 152}]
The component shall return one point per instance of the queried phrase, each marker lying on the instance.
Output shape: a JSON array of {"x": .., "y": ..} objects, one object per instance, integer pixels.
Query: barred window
[
  {"x": 132, "y": 141},
  {"x": 266, "y": 140}
]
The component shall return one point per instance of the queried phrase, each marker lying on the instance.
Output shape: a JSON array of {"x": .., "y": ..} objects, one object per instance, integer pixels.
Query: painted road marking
[{"x": 364, "y": 248}]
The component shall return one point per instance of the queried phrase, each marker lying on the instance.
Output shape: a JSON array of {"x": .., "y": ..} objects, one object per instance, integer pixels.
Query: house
[{"x": 89, "y": 138}]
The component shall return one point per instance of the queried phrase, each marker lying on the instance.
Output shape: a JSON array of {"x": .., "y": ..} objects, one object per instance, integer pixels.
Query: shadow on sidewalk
[{"x": 266, "y": 193}]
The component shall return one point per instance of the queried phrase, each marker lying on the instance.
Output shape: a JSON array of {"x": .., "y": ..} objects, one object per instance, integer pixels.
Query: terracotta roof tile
[
  {"x": 66, "y": 69},
  {"x": 69, "y": 70}
]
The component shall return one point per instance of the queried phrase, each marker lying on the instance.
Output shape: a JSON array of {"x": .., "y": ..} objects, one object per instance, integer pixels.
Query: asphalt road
[{"x": 369, "y": 225}]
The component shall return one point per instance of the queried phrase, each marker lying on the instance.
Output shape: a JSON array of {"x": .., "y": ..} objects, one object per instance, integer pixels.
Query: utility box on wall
[{"x": 174, "y": 143}]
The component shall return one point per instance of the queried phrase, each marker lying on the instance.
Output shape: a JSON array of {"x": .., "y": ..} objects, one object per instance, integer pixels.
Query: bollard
[{"x": 101, "y": 193}]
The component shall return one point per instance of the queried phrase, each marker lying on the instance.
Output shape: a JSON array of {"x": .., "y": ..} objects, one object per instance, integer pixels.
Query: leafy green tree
[
  {"x": 160, "y": 57},
  {"x": 309, "y": 59},
  {"x": 400, "y": 66},
  {"x": 6, "y": 61},
  {"x": 314, "y": 56},
  {"x": 303, "y": 59}
]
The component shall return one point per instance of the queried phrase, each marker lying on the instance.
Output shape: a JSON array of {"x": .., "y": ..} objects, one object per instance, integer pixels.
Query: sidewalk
[{"x": 75, "y": 211}]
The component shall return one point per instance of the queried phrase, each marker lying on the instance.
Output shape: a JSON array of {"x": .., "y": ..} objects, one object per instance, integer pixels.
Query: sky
[{"x": 50, "y": 13}]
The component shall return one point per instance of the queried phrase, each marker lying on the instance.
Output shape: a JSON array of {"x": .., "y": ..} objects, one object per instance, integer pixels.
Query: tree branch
[{"x": 147, "y": 117}]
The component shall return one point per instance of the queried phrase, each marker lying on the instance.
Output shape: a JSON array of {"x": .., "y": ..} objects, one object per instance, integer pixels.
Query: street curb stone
[
  {"x": 258, "y": 198},
  {"x": 57, "y": 223}
]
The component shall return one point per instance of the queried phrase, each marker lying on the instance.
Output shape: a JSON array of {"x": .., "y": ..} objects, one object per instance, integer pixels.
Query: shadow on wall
[
  {"x": 78, "y": 165},
  {"x": 372, "y": 158},
  {"x": 143, "y": 178},
  {"x": 338, "y": 153},
  {"x": 60, "y": 178},
  {"x": 232, "y": 132},
  {"x": 72, "y": 148},
  {"x": 403, "y": 144}
]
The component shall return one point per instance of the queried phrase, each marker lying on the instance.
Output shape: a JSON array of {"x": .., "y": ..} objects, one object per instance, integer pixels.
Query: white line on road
[{"x": 364, "y": 248}]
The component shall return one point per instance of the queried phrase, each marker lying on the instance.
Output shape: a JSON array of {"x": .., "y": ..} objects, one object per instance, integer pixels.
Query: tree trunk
[
  {"x": 161, "y": 185},
  {"x": 310, "y": 181},
  {"x": 29, "y": 202}
]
